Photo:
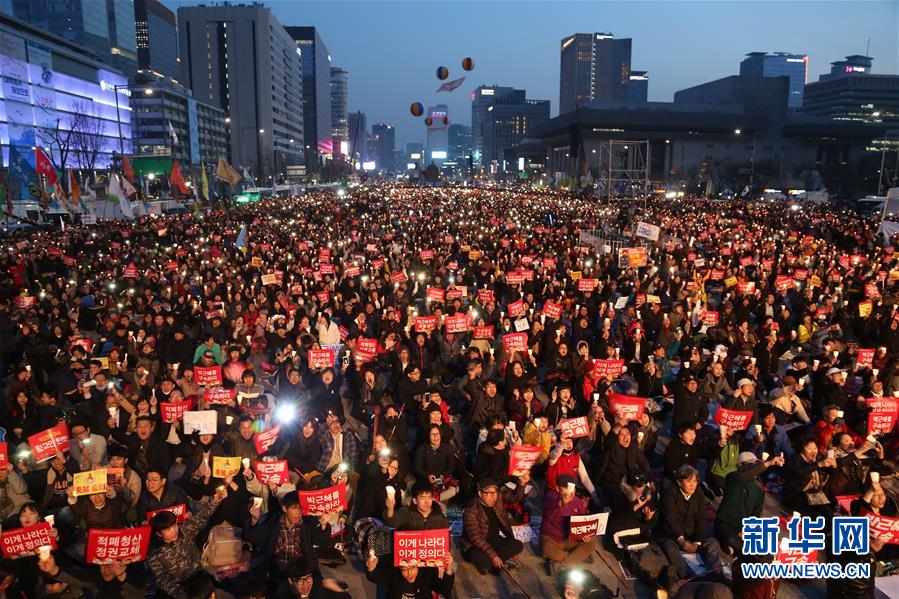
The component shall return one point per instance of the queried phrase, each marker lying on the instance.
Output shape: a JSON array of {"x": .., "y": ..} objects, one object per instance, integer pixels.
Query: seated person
[
  {"x": 558, "y": 507},
  {"x": 412, "y": 580},
  {"x": 483, "y": 520},
  {"x": 744, "y": 497},
  {"x": 422, "y": 513}
]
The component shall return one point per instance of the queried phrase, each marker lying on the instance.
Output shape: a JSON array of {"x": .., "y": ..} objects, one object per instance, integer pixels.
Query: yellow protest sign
[
  {"x": 576, "y": 275},
  {"x": 730, "y": 281},
  {"x": 90, "y": 482},
  {"x": 864, "y": 309},
  {"x": 222, "y": 466}
]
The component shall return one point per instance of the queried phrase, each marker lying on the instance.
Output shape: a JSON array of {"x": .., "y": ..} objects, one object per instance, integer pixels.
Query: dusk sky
[{"x": 391, "y": 49}]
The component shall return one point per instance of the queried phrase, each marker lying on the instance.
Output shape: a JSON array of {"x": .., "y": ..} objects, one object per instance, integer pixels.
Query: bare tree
[
  {"x": 88, "y": 137},
  {"x": 61, "y": 138}
]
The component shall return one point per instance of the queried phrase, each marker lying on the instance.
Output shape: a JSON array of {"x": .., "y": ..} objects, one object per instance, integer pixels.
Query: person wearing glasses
[{"x": 483, "y": 521}]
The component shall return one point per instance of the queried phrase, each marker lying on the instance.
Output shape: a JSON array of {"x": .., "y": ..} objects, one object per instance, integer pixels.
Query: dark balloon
[
  {"x": 429, "y": 121},
  {"x": 467, "y": 64},
  {"x": 417, "y": 109},
  {"x": 442, "y": 73}
]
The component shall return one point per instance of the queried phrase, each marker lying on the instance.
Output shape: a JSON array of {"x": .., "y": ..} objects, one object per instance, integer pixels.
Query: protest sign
[
  {"x": 522, "y": 458},
  {"x": 47, "y": 443},
  {"x": 25, "y": 541},
  {"x": 323, "y": 501},
  {"x": 590, "y": 525},
  {"x": 204, "y": 421},
  {"x": 89, "y": 482},
  {"x": 120, "y": 544},
  {"x": 425, "y": 548},
  {"x": 272, "y": 471}
]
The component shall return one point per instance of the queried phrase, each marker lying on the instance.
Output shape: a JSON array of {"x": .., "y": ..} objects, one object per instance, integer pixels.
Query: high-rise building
[
  {"x": 104, "y": 27},
  {"x": 438, "y": 133},
  {"x": 316, "y": 65},
  {"x": 851, "y": 92},
  {"x": 58, "y": 96},
  {"x": 358, "y": 136},
  {"x": 779, "y": 64},
  {"x": 340, "y": 108},
  {"x": 459, "y": 142},
  {"x": 594, "y": 67},
  {"x": 382, "y": 144},
  {"x": 156, "y": 28},
  {"x": 638, "y": 87},
  {"x": 481, "y": 99},
  {"x": 240, "y": 58},
  {"x": 507, "y": 120}
]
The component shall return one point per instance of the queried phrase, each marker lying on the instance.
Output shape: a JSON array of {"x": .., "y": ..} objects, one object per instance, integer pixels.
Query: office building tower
[
  {"x": 459, "y": 142},
  {"x": 240, "y": 58},
  {"x": 340, "y": 108},
  {"x": 156, "y": 28},
  {"x": 382, "y": 144},
  {"x": 316, "y": 69},
  {"x": 594, "y": 67},
  {"x": 638, "y": 87},
  {"x": 438, "y": 133},
  {"x": 504, "y": 122},
  {"x": 851, "y": 92},
  {"x": 104, "y": 27},
  {"x": 779, "y": 64},
  {"x": 358, "y": 137},
  {"x": 481, "y": 99}
]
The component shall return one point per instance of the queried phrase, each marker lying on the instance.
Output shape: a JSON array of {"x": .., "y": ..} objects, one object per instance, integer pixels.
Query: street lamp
[{"x": 115, "y": 92}]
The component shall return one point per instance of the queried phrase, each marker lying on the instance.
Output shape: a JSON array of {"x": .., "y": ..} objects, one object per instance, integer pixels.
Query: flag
[
  {"x": 21, "y": 170},
  {"x": 204, "y": 184},
  {"x": 242, "y": 238},
  {"x": 115, "y": 193},
  {"x": 225, "y": 172},
  {"x": 90, "y": 193},
  {"x": 172, "y": 133},
  {"x": 74, "y": 188},
  {"x": 248, "y": 178},
  {"x": 177, "y": 180},
  {"x": 126, "y": 168},
  {"x": 648, "y": 231},
  {"x": 129, "y": 189},
  {"x": 451, "y": 85},
  {"x": 44, "y": 166}
]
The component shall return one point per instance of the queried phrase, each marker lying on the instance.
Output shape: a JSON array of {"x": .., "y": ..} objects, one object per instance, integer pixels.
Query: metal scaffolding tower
[{"x": 623, "y": 169}]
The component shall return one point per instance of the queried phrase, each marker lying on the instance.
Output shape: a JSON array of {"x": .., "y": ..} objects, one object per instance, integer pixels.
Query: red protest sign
[
  {"x": 424, "y": 548},
  {"x": 266, "y": 439},
  {"x": 716, "y": 275},
  {"x": 883, "y": 415},
  {"x": 326, "y": 269},
  {"x": 25, "y": 541},
  {"x": 398, "y": 277},
  {"x": 323, "y": 501},
  {"x": 523, "y": 457},
  {"x": 208, "y": 375},
  {"x": 456, "y": 293},
  {"x": 25, "y": 301},
  {"x": 172, "y": 411},
  {"x": 587, "y": 284},
  {"x": 368, "y": 346},
  {"x": 514, "y": 277},
  {"x": 734, "y": 419},
  {"x": 552, "y": 310},
  {"x": 425, "y": 324},
  {"x": 516, "y": 309},
  {"x": 783, "y": 283},
  {"x": 603, "y": 367},
  {"x": 746, "y": 260},
  {"x": 865, "y": 358},
  {"x": 352, "y": 270},
  {"x": 118, "y": 544},
  {"x": 272, "y": 471},
  {"x": 485, "y": 332},
  {"x": 746, "y": 287},
  {"x": 515, "y": 342},
  {"x": 324, "y": 255},
  {"x": 4, "y": 454},
  {"x": 320, "y": 358},
  {"x": 171, "y": 265},
  {"x": 219, "y": 396},
  {"x": 460, "y": 323},
  {"x": 883, "y": 527},
  {"x": 626, "y": 406},
  {"x": 435, "y": 294},
  {"x": 484, "y": 296},
  {"x": 710, "y": 319},
  {"x": 574, "y": 427},
  {"x": 179, "y": 510},
  {"x": 845, "y": 502},
  {"x": 589, "y": 525},
  {"x": 46, "y": 444},
  {"x": 130, "y": 272},
  {"x": 426, "y": 254}
]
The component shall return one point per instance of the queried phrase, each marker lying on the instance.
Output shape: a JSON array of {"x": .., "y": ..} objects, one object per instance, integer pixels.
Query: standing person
[{"x": 483, "y": 520}]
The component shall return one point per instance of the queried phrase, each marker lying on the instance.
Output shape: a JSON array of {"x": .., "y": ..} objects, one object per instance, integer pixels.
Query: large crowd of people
[{"x": 277, "y": 388}]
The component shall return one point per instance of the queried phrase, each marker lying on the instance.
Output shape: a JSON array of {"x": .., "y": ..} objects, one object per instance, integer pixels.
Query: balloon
[
  {"x": 446, "y": 120},
  {"x": 467, "y": 63},
  {"x": 417, "y": 109},
  {"x": 429, "y": 121},
  {"x": 442, "y": 73}
]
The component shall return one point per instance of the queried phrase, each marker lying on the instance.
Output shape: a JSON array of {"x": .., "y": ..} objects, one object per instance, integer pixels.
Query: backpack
[{"x": 223, "y": 547}]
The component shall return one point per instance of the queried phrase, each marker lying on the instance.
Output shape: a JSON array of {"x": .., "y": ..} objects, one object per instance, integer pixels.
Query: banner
[
  {"x": 845, "y": 502},
  {"x": 710, "y": 319},
  {"x": 865, "y": 358},
  {"x": 883, "y": 415},
  {"x": 574, "y": 427},
  {"x": 435, "y": 294},
  {"x": 516, "y": 309},
  {"x": 734, "y": 419},
  {"x": 632, "y": 257},
  {"x": 25, "y": 541},
  {"x": 459, "y": 323},
  {"x": 180, "y": 511},
  {"x": 552, "y": 310},
  {"x": 515, "y": 342},
  {"x": 883, "y": 527},
  {"x": 204, "y": 421},
  {"x": 264, "y": 440},
  {"x": 523, "y": 457},
  {"x": 485, "y": 296},
  {"x": 225, "y": 466},
  {"x": 323, "y": 501},
  {"x": 590, "y": 525},
  {"x": 219, "y": 395},
  {"x": 89, "y": 482},
  {"x": 627, "y": 407},
  {"x": 119, "y": 544},
  {"x": 424, "y": 548},
  {"x": 208, "y": 375},
  {"x": 603, "y": 367},
  {"x": 272, "y": 471},
  {"x": 425, "y": 324},
  {"x": 484, "y": 332},
  {"x": 320, "y": 358},
  {"x": 172, "y": 411},
  {"x": 647, "y": 231},
  {"x": 46, "y": 444}
]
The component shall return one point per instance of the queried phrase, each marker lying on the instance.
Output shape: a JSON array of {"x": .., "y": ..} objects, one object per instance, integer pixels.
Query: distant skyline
[{"x": 392, "y": 49}]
